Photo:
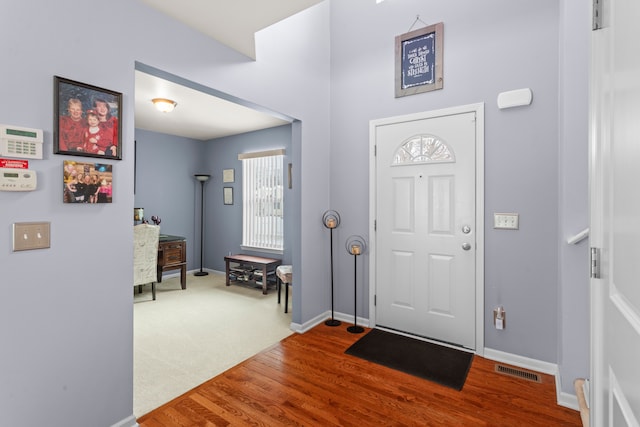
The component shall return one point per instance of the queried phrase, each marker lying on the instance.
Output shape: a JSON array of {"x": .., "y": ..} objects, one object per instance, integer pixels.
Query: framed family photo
[
  {"x": 87, "y": 120},
  {"x": 87, "y": 182}
]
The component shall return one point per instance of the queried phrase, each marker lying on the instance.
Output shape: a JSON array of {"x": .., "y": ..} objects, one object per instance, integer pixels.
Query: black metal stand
[
  {"x": 355, "y": 329},
  {"x": 332, "y": 321},
  {"x": 201, "y": 272}
]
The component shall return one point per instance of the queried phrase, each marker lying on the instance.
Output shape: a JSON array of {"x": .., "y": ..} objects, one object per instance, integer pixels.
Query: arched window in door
[{"x": 423, "y": 149}]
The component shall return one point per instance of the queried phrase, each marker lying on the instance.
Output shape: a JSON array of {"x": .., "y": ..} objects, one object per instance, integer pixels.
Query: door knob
[
  {"x": 466, "y": 246},
  {"x": 466, "y": 229}
]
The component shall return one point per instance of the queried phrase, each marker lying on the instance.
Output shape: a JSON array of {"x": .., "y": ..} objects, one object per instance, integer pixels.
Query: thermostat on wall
[
  {"x": 21, "y": 142},
  {"x": 12, "y": 179}
]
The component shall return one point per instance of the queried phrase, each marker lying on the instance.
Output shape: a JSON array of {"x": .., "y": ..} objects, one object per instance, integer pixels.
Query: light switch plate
[
  {"x": 506, "y": 221},
  {"x": 31, "y": 235}
]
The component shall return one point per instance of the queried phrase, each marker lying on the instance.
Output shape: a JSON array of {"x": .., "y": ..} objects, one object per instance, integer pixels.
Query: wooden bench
[{"x": 249, "y": 263}]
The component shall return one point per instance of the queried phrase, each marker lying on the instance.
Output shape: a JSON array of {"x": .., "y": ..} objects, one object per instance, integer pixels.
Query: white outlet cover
[{"x": 506, "y": 221}]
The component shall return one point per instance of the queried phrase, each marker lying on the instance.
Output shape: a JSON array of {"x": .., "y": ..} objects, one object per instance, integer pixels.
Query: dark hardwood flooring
[{"x": 307, "y": 380}]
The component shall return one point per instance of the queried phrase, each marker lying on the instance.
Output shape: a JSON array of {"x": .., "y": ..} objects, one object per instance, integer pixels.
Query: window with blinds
[{"x": 262, "y": 200}]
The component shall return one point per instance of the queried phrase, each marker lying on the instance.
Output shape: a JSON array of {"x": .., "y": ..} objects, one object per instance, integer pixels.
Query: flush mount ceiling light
[{"x": 163, "y": 104}]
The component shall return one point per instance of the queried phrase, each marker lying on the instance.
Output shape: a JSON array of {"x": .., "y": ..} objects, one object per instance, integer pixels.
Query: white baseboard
[
  {"x": 311, "y": 323},
  {"x": 521, "y": 361},
  {"x": 568, "y": 400},
  {"x": 565, "y": 399},
  {"x": 130, "y": 421}
]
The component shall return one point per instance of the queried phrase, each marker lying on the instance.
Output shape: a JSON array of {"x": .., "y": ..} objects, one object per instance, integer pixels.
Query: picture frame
[
  {"x": 89, "y": 183},
  {"x": 228, "y": 175},
  {"x": 87, "y": 120},
  {"x": 419, "y": 56},
  {"x": 227, "y": 194}
]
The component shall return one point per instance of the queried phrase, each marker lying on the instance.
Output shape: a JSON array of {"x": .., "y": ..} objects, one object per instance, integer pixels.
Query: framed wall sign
[
  {"x": 228, "y": 175},
  {"x": 419, "y": 60},
  {"x": 227, "y": 193}
]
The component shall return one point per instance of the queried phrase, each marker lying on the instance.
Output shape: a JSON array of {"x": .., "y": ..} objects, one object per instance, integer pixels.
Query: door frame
[
  {"x": 478, "y": 109},
  {"x": 607, "y": 130},
  {"x": 597, "y": 153}
]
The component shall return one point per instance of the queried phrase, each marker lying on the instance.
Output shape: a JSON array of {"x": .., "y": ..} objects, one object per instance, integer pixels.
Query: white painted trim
[
  {"x": 310, "y": 324},
  {"x": 256, "y": 154},
  {"x": 568, "y": 400},
  {"x": 521, "y": 361},
  {"x": 599, "y": 125},
  {"x": 618, "y": 398},
  {"x": 130, "y": 421},
  {"x": 478, "y": 109},
  {"x": 562, "y": 398}
]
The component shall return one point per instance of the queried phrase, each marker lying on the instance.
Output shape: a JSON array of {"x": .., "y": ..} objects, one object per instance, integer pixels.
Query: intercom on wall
[{"x": 21, "y": 142}]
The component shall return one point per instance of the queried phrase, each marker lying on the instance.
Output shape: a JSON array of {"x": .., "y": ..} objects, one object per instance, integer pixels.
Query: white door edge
[{"x": 478, "y": 109}]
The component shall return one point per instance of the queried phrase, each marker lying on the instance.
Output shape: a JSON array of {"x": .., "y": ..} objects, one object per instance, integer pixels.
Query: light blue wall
[
  {"x": 66, "y": 322},
  {"x": 489, "y": 47},
  {"x": 66, "y": 312},
  {"x": 224, "y": 222},
  {"x": 165, "y": 186},
  {"x": 479, "y": 63},
  {"x": 573, "y": 348}
]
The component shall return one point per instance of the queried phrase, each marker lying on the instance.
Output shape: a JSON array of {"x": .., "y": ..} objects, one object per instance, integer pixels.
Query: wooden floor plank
[{"x": 308, "y": 380}]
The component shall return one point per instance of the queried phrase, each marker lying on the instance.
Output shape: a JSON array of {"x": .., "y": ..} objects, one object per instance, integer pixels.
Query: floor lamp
[
  {"x": 331, "y": 220},
  {"x": 202, "y": 178},
  {"x": 355, "y": 246}
]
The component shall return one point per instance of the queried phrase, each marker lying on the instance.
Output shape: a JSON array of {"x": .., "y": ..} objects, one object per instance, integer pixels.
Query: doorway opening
[{"x": 179, "y": 211}]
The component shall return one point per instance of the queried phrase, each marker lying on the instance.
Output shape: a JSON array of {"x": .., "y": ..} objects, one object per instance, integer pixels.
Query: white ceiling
[
  {"x": 231, "y": 22},
  {"x": 201, "y": 115},
  {"x": 197, "y": 115}
]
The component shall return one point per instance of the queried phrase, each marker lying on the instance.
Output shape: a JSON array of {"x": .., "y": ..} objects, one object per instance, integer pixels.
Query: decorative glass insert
[{"x": 423, "y": 149}]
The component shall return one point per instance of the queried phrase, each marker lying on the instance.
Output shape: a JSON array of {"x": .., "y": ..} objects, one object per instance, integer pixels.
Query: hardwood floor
[{"x": 307, "y": 380}]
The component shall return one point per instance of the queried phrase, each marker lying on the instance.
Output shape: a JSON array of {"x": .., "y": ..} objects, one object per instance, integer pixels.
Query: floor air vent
[{"x": 518, "y": 373}]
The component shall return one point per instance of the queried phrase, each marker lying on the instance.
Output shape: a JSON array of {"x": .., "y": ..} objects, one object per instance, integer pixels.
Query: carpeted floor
[{"x": 186, "y": 337}]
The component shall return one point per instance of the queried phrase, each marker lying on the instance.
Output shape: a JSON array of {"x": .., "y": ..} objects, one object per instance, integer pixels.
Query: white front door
[
  {"x": 425, "y": 238},
  {"x": 615, "y": 217}
]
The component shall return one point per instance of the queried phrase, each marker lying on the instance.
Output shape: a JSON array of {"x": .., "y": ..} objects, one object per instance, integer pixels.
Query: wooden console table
[
  {"x": 254, "y": 263},
  {"x": 172, "y": 255}
]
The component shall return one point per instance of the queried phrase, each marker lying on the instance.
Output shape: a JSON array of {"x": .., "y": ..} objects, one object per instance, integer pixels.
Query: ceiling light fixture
[{"x": 163, "y": 104}]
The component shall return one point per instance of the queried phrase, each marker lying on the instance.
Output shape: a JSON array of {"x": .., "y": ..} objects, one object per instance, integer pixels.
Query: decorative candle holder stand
[
  {"x": 355, "y": 246},
  {"x": 331, "y": 220}
]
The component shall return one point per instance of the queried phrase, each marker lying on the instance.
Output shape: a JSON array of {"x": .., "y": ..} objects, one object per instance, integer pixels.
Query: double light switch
[{"x": 31, "y": 235}]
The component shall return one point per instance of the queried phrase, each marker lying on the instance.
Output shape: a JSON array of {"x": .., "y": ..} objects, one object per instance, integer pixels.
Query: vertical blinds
[{"x": 262, "y": 185}]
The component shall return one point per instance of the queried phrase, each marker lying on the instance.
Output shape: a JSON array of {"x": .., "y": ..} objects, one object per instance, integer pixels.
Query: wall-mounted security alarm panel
[
  {"x": 12, "y": 179},
  {"x": 21, "y": 142}
]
